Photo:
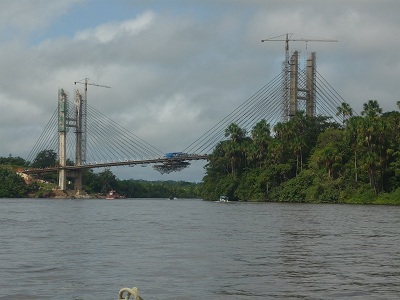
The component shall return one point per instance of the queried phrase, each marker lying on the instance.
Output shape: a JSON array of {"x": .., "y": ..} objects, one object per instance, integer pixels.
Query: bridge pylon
[
  {"x": 292, "y": 91},
  {"x": 80, "y": 132},
  {"x": 62, "y": 133},
  {"x": 63, "y": 123},
  {"x": 302, "y": 86},
  {"x": 79, "y": 123}
]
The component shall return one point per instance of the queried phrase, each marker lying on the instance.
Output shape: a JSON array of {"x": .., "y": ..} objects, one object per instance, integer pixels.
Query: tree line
[
  {"x": 12, "y": 185},
  {"x": 102, "y": 182},
  {"x": 310, "y": 159}
]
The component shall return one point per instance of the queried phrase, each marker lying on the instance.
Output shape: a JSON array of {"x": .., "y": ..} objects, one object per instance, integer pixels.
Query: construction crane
[
  {"x": 86, "y": 83},
  {"x": 82, "y": 120},
  {"x": 288, "y": 38}
]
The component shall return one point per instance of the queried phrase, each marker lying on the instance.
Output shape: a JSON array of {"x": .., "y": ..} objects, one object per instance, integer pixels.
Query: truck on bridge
[{"x": 176, "y": 154}]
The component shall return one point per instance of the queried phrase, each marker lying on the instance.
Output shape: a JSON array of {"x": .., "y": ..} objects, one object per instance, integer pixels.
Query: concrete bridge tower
[
  {"x": 64, "y": 122},
  {"x": 305, "y": 93},
  {"x": 79, "y": 123},
  {"x": 62, "y": 133},
  {"x": 292, "y": 92}
]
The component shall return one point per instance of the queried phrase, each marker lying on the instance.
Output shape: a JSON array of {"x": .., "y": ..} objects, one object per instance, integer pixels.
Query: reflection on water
[{"x": 191, "y": 249}]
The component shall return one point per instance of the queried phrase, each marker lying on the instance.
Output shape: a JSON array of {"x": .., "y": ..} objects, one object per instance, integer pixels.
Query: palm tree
[
  {"x": 261, "y": 132},
  {"x": 345, "y": 111},
  {"x": 233, "y": 150},
  {"x": 354, "y": 134},
  {"x": 298, "y": 145},
  {"x": 253, "y": 155},
  {"x": 281, "y": 130},
  {"x": 299, "y": 128},
  {"x": 276, "y": 151},
  {"x": 371, "y": 109},
  {"x": 235, "y": 132},
  {"x": 261, "y": 135},
  {"x": 370, "y": 162},
  {"x": 331, "y": 156}
]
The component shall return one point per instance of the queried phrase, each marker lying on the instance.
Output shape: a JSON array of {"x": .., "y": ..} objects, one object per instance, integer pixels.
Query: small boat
[
  {"x": 112, "y": 195},
  {"x": 223, "y": 199}
]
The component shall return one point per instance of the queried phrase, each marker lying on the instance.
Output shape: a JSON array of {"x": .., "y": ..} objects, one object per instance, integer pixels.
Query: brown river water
[{"x": 192, "y": 249}]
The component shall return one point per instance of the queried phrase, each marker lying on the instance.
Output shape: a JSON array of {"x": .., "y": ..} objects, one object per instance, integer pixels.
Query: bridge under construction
[{"x": 84, "y": 138}]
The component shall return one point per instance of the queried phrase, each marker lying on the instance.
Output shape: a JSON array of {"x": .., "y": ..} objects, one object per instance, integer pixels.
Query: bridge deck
[{"x": 119, "y": 163}]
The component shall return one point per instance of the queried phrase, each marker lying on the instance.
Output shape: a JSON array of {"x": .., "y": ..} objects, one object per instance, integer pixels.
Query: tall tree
[
  {"x": 261, "y": 135},
  {"x": 233, "y": 148},
  {"x": 345, "y": 111},
  {"x": 235, "y": 133},
  {"x": 371, "y": 109},
  {"x": 355, "y": 139},
  {"x": 330, "y": 151},
  {"x": 108, "y": 181},
  {"x": 44, "y": 159}
]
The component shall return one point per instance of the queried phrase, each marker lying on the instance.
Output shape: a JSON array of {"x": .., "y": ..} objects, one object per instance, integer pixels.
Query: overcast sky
[{"x": 178, "y": 67}]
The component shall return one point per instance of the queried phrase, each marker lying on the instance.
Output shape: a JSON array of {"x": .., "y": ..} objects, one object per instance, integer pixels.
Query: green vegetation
[
  {"x": 13, "y": 161},
  {"x": 311, "y": 159},
  {"x": 101, "y": 183},
  {"x": 12, "y": 185},
  {"x": 45, "y": 158}
]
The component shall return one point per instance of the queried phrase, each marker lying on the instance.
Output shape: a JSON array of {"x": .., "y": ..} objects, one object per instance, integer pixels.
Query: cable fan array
[
  {"x": 106, "y": 140},
  {"x": 268, "y": 103}
]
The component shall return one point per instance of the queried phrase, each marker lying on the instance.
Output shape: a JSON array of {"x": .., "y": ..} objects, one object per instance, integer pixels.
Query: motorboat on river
[
  {"x": 111, "y": 195},
  {"x": 223, "y": 199}
]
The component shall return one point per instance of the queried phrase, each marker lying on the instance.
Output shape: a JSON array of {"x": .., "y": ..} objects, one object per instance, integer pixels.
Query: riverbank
[{"x": 58, "y": 194}]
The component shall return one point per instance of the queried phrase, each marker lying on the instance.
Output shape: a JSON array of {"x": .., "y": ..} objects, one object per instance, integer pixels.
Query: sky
[{"x": 178, "y": 67}]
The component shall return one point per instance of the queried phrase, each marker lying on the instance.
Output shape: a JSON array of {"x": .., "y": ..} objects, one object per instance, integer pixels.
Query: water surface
[{"x": 192, "y": 249}]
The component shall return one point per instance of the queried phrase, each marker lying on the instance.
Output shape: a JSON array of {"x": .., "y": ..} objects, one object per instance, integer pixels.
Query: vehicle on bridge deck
[{"x": 175, "y": 154}]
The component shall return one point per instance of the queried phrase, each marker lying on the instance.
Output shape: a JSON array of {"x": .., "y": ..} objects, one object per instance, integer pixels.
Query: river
[{"x": 192, "y": 249}]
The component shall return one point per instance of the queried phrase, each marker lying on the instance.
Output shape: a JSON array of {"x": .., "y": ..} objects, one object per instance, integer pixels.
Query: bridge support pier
[
  {"x": 78, "y": 182},
  {"x": 62, "y": 180},
  {"x": 77, "y": 175}
]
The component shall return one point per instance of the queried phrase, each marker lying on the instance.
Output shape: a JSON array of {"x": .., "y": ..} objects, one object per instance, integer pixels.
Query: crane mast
[
  {"x": 81, "y": 117},
  {"x": 289, "y": 38}
]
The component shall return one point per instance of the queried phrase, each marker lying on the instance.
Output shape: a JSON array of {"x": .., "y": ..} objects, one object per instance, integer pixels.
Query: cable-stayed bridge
[{"x": 84, "y": 138}]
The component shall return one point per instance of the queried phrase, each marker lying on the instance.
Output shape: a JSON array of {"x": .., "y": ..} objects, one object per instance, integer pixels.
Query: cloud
[
  {"x": 108, "y": 32},
  {"x": 24, "y": 16}
]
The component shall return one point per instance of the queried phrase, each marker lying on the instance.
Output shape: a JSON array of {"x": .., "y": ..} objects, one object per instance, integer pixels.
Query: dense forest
[{"x": 310, "y": 159}]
